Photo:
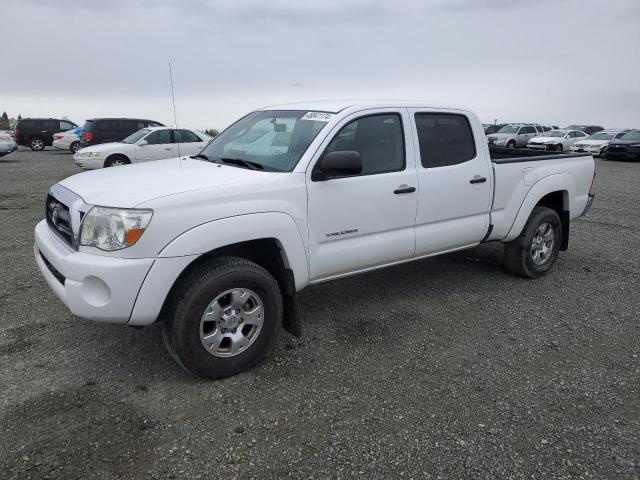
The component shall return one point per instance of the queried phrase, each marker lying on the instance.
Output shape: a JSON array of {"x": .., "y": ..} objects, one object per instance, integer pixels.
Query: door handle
[
  {"x": 168, "y": 149},
  {"x": 404, "y": 189},
  {"x": 478, "y": 179}
]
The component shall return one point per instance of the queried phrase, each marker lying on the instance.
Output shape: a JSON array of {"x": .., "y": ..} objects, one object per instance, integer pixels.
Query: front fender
[
  {"x": 231, "y": 230},
  {"x": 553, "y": 183}
]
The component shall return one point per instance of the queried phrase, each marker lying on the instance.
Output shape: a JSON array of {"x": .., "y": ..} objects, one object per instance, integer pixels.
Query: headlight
[
  {"x": 113, "y": 228},
  {"x": 92, "y": 154}
]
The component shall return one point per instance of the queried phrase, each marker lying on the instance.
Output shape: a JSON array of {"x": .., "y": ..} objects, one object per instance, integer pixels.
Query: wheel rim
[
  {"x": 37, "y": 144},
  {"x": 75, "y": 147},
  {"x": 117, "y": 163},
  {"x": 511, "y": 145},
  {"x": 542, "y": 243},
  {"x": 232, "y": 322}
]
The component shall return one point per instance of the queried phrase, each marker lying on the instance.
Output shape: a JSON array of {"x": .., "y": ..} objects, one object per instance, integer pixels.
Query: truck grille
[{"x": 59, "y": 219}]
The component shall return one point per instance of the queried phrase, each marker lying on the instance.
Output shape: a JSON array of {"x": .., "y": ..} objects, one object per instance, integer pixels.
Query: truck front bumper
[{"x": 105, "y": 288}]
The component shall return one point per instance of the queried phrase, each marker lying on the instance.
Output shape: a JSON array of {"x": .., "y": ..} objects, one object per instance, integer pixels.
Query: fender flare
[
  {"x": 560, "y": 182},
  {"x": 219, "y": 233}
]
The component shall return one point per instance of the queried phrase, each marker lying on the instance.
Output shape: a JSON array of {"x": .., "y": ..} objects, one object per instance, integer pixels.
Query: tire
[
  {"x": 37, "y": 144},
  {"x": 116, "y": 161},
  {"x": 511, "y": 144},
  {"x": 203, "y": 294},
  {"x": 519, "y": 253},
  {"x": 559, "y": 147},
  {"x": 74, "y": 147}
]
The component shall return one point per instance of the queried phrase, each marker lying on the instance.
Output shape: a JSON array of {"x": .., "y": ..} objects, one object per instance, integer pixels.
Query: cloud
[{"x": 537, "y": 60}]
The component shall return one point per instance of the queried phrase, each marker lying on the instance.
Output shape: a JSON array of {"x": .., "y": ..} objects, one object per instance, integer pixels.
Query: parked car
[
  {"x": 153, "y": 143},
  {"x": 558, "y": 140},
  {"x": 7, "y": 143},
  {"x": 221, "y": 245},
  {"x": 595, "y": 143},
  {"x": 68, "y": 140},
  {"x": 37, "y": 133},
  {"x": 513, "y": 135},
  {"x": 627, "y": 147},
  {"x": 104, "y": 130},
  {"x": 490, "y": 128},
  {"x": 590, "y": 129}
]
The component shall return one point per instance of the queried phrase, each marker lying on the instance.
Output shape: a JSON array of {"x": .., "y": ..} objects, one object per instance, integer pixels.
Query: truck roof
[{"x": 335, "y": 106}]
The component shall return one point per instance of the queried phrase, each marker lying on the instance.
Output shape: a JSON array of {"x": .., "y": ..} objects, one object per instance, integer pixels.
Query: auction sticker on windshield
[{"x": 318, "y": 116}]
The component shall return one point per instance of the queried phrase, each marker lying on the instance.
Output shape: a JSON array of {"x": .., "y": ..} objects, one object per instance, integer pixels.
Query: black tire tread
[
  {"x": 517, "y": 251},
  {"x": 178, "y": 302}
]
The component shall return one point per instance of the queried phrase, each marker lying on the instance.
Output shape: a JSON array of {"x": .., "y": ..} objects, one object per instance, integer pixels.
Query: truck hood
[{"x": 131, "y": 185}]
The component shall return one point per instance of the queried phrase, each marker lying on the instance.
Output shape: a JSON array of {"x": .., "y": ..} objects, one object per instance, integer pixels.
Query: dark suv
[
  {"x": 37, "y": 133},
  {"x": 103, "y": 130}
]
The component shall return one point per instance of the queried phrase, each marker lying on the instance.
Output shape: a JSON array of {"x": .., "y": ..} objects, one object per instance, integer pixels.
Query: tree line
[{"x": 8, "y": 123}]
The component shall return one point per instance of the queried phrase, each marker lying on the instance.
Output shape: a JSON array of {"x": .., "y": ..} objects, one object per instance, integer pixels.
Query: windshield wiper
[
  {"x": 200, "y": 156},
  {"x": 243, "y": 163}
]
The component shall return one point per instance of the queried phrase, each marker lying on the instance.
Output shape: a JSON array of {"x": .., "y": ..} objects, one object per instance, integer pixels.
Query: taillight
[
  {"x": 57, "y": 137},
  {"x": 17, "y": 132},
  {"x": 88, "y": 136}
]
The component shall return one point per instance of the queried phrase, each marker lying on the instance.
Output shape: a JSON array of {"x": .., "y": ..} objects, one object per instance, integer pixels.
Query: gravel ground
[{"x": 444, "y": 368}]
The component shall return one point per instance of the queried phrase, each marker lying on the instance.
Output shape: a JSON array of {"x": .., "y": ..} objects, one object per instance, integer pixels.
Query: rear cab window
[{"x": 444, "y": 139}]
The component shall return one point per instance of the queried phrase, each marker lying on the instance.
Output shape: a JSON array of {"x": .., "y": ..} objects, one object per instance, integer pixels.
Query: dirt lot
[{"x": 444, "y": 368}]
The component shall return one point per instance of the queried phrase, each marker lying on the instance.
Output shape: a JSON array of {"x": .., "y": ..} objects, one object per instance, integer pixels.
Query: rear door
[
  {"x": 366, "y": 220},
  {"x": 48, "y": 128},
  {"x": 455, "y": 182},
  {"x": 159, "y": 145},
  {"x": 525, "y": 134},
  {"x": 188, "y": 143}
]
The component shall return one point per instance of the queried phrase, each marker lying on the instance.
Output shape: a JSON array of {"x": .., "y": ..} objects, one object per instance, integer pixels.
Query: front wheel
[
  {"x": 559, "y": 147},
  {"x": 74, "y": 147},
  {"x": 116, "y": 161},
  {"x": 511, "y": 144},
  {"x": 534, "y": 252},
  {"x": 223, "y": 318}
]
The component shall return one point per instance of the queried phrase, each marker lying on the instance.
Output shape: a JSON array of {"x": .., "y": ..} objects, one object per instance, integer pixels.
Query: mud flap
[{"x": 291, "y": 315}]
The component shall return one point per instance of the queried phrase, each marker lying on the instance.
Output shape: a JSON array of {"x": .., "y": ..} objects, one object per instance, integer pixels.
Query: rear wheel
[
  {"x": 74, "y": 147},
  {"x": 223, "y": 318},
  {"x": 534, "y": 252},
  {"x": 116, "y": 161},
  {"x": 37, "y": 144}
]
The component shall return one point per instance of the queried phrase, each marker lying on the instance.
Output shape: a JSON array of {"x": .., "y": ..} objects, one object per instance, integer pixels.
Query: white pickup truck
[{"x": 216, "y": 246}]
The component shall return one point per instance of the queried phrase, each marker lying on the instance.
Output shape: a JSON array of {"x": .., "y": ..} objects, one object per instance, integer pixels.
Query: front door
[
  {"x": 366, "y": 220},
  {"x": 455, "y": 182},
  {"x": 159, "y": 145}
]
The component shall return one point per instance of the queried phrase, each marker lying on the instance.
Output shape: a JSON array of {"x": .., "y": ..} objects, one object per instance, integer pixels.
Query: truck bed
[
  {"x": 514, "y": 155},
  {"x": 517, "y": 172}
]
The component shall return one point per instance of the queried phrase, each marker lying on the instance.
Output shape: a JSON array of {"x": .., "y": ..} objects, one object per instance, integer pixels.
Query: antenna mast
[{"x": 173, "y": 100}]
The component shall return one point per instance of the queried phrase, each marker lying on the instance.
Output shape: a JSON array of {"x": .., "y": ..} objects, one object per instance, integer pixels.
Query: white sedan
[
  {"x": 153, "y": 143},
  {"x": 67, "y": 141},
  {"x": 7, "y": 143},
  {"x": 596, "y": 142},
  {"x": 556, "y": 140}
]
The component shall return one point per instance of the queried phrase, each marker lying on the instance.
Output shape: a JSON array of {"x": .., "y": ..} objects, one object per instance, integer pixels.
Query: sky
[{"x": 554, "y": 62}]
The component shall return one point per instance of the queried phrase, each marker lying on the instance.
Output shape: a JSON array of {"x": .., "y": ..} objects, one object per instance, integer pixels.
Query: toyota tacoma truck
[{"x": 216, "y": 246}]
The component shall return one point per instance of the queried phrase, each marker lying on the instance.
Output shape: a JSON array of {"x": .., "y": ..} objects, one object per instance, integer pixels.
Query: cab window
[
  {"x": 379, "y": 140},
  {"x": 444, "y": 139}
]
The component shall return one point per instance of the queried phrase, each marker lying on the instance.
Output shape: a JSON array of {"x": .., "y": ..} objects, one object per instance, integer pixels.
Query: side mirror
[
  {"x": 142, "y": 143},
  {"x": 337, "y": 164}
]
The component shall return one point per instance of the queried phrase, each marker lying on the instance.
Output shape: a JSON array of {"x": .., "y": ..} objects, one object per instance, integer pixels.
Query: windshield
[
  {"x": 509, "y": 129},
  {"x": 554, "y": 133},
  {"x": 134, "y": 137},
  {"x": 601, "y": 136},
  {"x": 632, "y": 135},
  {"x": 273, "y": 139}
]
